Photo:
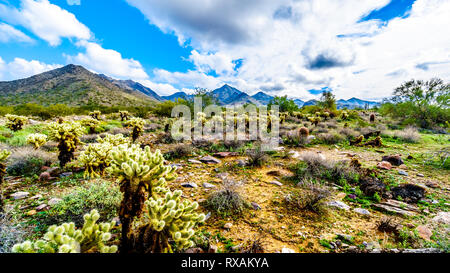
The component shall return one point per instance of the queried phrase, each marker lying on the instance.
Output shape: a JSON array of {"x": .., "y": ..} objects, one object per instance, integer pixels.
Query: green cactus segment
[
  {"x": 67, "y": 134},
  {"x": 138, "y": 126},
  {"x": 66, "y": 238},
  {"x": 170, "y": 215},
  {"x": 15, "y": 123},
  {"x": 37, "y": 140},
  {"x": 97, "y": 157},
  {"x": 90, "y": 123}
]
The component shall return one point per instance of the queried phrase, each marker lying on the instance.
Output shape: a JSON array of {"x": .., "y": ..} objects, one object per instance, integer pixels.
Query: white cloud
[
  {"x": 20, "y": 68},
  {"x": 108, "y": 61},
  {"x": 295, "y": 46},
  {"x": 9, "y": 33},
  {"x": 47, "y": 21}
]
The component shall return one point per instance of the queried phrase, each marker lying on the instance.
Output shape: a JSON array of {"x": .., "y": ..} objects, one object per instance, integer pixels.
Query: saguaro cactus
[
  {"x": 67, "y": 135},
  {"x": 66, "y": 239},
  {"x": 139, "y": 172},
  {"x": 37, "y": 140},
  {"x": 138, "y": 125},
  {"x": 4, "y": 154},
  {"x": 15, "y": 123}
]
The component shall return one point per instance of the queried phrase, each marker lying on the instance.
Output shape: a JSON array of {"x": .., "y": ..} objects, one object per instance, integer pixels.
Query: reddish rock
[
  {"x": 395, "y": 160},
  {"x": 424, "y": 232},
  {"x": 194, "y": 250},
  {"x": 432, "y": 184},
  {"x": 45, "y": 176},
  {"x": 226, "y": 154},
  {"x": 384, "y": 165}
]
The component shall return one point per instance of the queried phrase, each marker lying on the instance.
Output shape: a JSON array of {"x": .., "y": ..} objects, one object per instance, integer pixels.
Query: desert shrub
[
  {"x": 315, "y": 167},
  {"x": 91, "y": 138},
  {"x": 11, "y": 232},
  {"x": 179, "y": 151},
  {"x": 164, "y": 109},
  {"x": 348, "y": 133},
  {"x": 227, "y": 201},
  {"x": 410, "y": 135},
  {"x": 28, "y": 161},
  {"x": 122, "y": 131},
  {"x": 100, "y": 194},
  {"x": 330, "y": 138},
  {"x": 257, "y": 157},
  {"x": 309, "y": 198}
]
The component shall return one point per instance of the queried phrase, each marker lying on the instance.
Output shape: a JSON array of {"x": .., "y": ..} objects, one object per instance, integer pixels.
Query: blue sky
[{"x": 283, "y": 47}]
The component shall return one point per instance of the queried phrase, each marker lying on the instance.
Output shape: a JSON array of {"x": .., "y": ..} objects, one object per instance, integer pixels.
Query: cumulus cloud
[
  {"x": 107, "y": 61},
  {"x": 47, "y": 21},
  {"x": 20, "y": 68},
  {"x": 9, "y": 34},
  {"x": 304, "y": 45}
]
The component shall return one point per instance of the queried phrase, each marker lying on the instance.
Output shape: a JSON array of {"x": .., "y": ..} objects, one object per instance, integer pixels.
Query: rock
[
  {"x": 213, "y": 249},
  {"x": 255, "y": 206},
  {"x": 384, "y": 165},
  {"x": 45, "y": 176},
  {"x": 41, "y": 207},
  {"x": 31, "y": 212},
  {"x": 420, "y": 175},
  {"x": 310, "y": 138},
  {"x": 403, "y": 167},
  {"x": 36, "y": 197},
  {"x": 189, "y": 185},
  {"x": 295, "y": 154},
  {"x": 226, "y": 154},
  {"x": 194, "y": 250},
  {"x": 53, "y": 171},
  {"x": 208, "y": 185},
  {"x": 397, "y": 207},
  {"x": 338, "y": 204},
  {"x": 442, "y": 217},
  {"x": 424, "y": 232},
  {"x": 236, "y": 248},
  {"x": 362, "y": 211},
  {"x": 222, "y": 175},
  {"x": 54, "y": 201},
  {"x": 402, "y": 173},
  {"x": 208, "y": 215},
  {"x": 409, "y": 192},
  {"x": 67, "y": 174},
  {"x": 20, "y": 195},
  {"x": 432, "y": 184},
  {"x": 395, "y": 160},
  {"x": 241, "y": 163},
  {"x": 373, "y": 245},
  {"x": 423, "y": 250},
  {"x": 228, "y": 226},
  {"x": 210, "y": 160},
  {"x": 194, "y": 161},
  {"x": 287, "y": 250},
  {"x": 345, "y": 237},
  {"x": 276, "y": 183},
  {"x": 274, "y": 173}
]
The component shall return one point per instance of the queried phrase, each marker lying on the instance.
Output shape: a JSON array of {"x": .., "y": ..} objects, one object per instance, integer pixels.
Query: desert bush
[
  {"x": 257, "y": 157},
  {"x": 28, "y": 161},
  {"x": 100, "y": 194},
  {"x": 179, "y": 151},
  {"x": 309, "y": 198},
  {"x": 91, "y": 138},
  {"x": 410, "y": 135},
  {"x": 330, "y": 138},
  {"x": 122, "y": 131},
  {"x": 227, "y": 201},
  {"x": 348, "y": 133}
]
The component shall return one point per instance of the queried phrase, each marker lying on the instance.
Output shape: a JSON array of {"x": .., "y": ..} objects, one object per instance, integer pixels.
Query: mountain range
[{"x": 76, "y": 86}]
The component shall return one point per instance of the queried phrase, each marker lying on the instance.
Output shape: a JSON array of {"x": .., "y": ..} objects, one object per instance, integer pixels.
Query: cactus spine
[
  {"x": 67, "y": 135},
  {"x": 15, "y": 123},
  {"x": 67, "y": 239}
]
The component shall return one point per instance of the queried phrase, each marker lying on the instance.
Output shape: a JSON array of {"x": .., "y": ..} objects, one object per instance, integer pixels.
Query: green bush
[{"x": 27, "y": 161}]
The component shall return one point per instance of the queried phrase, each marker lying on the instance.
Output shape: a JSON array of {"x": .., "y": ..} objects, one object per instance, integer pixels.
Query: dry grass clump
[
  {"x": 410, "y": 135},
  {"x": 330, "y": 138},
  {"x": 28, "y": 161},
  {"x": 309, "y": 198},
  {"x": 348, "y": 133},
  {"x": 227, "y": 201},
  {"x": 179, "y": 151},
  {"x": 11, "y": 232},
  {"x": 125, "y": 132},
  {"x": 91, "y": 138},
  {"x": 257, "y": 157}
]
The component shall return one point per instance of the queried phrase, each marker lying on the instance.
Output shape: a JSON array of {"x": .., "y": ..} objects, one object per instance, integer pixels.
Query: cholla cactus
[
  {"x": 37, "y": 140},
  {"x": 4, "y": 154},
  {"x": 138, "y": 125},
  {"x": 66, "y": 239},
  {"x": 201, "y": 118},
  {"x": 124, "y": 115},
  {"x": 15, "y": 123},
  {"x": 67, "y": 135},
  {"x": 344, "y": 115},
  {"x": 95, "y": 114},
  {"x": 140, "y": 172},
  {"x": 170, "y": 216},
  {"x": 114, "y": 140},
  {"x": 91, "y": 123}
]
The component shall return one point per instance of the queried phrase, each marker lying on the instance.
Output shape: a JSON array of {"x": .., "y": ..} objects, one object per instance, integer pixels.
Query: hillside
[{"x": 72, "y": 85}]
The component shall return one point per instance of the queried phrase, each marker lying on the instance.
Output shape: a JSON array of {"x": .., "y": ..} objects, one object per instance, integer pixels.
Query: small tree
[
  {"x": 285, "y": 104},
  {"x": 327, "y": 101}
]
